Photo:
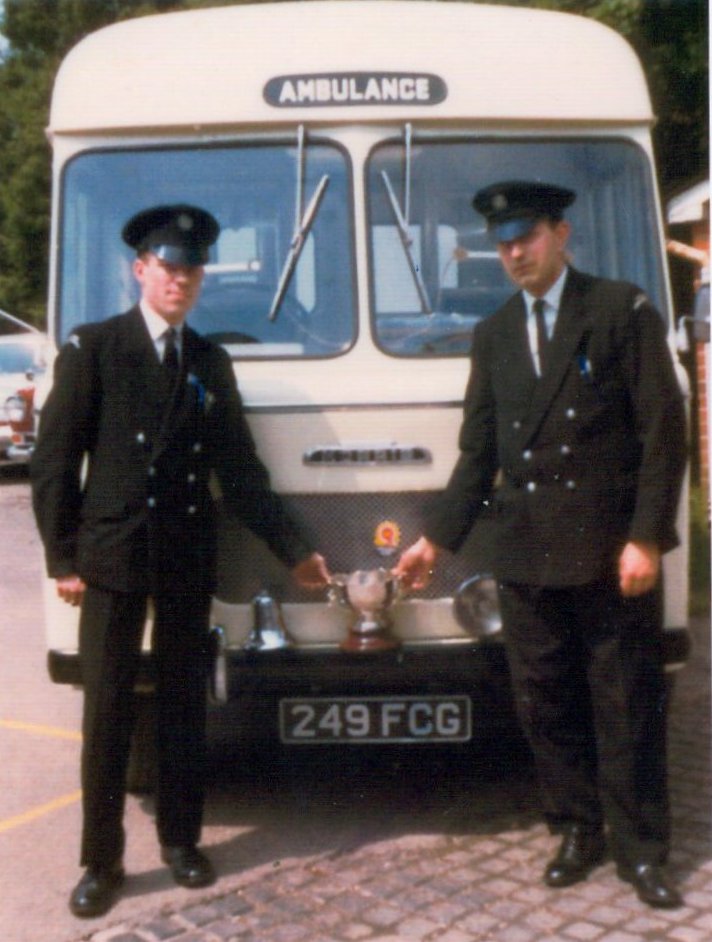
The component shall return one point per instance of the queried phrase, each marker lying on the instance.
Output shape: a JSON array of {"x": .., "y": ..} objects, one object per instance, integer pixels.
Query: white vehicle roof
[
  {"x": 208, "y": 69},
  {"x": 30, "y": 339}
]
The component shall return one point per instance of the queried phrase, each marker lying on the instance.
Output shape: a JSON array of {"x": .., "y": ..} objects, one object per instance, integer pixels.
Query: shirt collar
[
  {"x": 552, "y": 296},
  {"x": 156, "y": 325}
]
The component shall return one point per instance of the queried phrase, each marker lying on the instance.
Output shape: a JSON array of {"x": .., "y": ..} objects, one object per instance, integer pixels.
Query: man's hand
[
  {"x": 311, "y": 573},
  {"x": 71, "y": 589},
  {"x": 415, "y": 567},
  {"x": 638, "y": 568}
]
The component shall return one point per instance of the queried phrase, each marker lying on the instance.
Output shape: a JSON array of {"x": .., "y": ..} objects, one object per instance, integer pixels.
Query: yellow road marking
[
  {"x": 57, "y": 803},
  {"x": 40, "y": 810},
  {"x": 54, "y": 731}
]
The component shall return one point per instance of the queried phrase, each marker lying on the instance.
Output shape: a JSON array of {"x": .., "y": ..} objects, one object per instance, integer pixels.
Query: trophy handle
[
  {"x": 336, "y": 590},
  {"x": 400, "y": 591}
]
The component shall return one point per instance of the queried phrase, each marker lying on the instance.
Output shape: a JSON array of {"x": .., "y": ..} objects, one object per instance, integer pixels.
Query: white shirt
[
  {"x": 552, "y": 301},
  {"x": 157, "y": 328}
]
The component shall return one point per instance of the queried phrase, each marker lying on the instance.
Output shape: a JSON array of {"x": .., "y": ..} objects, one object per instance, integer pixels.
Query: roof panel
[{"x": 210, "y": 67}]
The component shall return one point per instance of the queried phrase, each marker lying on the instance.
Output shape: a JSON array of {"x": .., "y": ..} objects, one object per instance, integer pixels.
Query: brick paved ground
[{"x": 466, "y": 872}]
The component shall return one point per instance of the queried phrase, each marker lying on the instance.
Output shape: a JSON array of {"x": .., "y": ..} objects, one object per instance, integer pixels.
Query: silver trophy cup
[{"x": 369, "y": 593}]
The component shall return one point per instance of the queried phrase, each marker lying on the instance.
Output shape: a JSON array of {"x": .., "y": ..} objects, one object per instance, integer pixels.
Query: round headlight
[
  {"x": 15, "y": 408},
  {"x": 477, "y": 607}
]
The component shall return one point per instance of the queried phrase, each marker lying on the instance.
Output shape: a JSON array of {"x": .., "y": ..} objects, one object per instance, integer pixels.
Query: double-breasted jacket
[
  {"x": 141, "y": 515},
  {"x": 573, "y": 464}
]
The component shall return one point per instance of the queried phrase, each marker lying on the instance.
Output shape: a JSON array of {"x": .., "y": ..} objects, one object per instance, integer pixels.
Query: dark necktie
[
  {"x": 171, "y": 366},
  {"x": 541, "y": 333}
]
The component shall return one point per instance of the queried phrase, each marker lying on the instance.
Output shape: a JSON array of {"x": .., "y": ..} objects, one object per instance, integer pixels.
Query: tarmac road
[{"x": 332, "y": 847}]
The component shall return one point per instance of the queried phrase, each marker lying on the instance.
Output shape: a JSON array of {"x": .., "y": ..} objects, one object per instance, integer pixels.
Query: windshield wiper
[
  {"x": 302, "y": 227},
  {"x": 403, "y": 224}
]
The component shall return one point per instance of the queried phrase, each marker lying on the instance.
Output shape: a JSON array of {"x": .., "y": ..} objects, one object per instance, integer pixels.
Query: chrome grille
[{"x": 342, "y": 528}]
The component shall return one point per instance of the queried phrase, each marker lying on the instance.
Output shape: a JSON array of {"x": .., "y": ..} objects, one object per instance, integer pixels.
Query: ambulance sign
[{"x": 355, "y": 88}]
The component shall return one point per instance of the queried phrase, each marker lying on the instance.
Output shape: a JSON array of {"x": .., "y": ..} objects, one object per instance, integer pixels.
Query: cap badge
[
  {"x": 499, "y": 202},
  {"x": 184, "y": 222},
  {"x": 386, "y": 537}
]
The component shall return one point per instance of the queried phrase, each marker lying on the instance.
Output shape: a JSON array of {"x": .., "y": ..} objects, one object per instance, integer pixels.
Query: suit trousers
[
  {"x": 110, "y": 635},
  {"x": 587, "y": 675}
]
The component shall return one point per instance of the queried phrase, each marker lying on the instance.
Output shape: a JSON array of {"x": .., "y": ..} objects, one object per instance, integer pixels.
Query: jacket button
[
  {"x": 516, "y": 425},
  {"x": 531, "y": 486},
  {"x": 191, "y": 478},
  {"x": 571, "y": 485},
  {"x": 565, "y": 450},
  {"x": 192, "y": 509},
  {"x": 527, "y": 455},
  {"x": 151, "y": 501},
  {"x": 152, "y": 472},
  {"x": 570, "y": 413},
  {"x": 197, "y": 447},
  {"x": 141, "y": 438}
]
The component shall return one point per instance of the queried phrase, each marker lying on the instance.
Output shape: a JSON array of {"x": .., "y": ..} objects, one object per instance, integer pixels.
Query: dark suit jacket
[
  {"x": 144, "y": 517},
  {"x": 581, "y": 460}
]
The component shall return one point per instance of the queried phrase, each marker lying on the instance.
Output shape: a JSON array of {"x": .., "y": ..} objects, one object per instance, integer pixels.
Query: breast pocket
[{"x": 597, "y": 388}]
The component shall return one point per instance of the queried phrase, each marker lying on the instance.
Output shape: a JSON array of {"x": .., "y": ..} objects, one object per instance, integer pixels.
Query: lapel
[
  {"x": 142, "y": 371},
  {"x": 513, "y": 355},
  {"x": 185, "y": 405},
  {"x": 156, "y": 411},
  {"x": 572, "y": 323}
]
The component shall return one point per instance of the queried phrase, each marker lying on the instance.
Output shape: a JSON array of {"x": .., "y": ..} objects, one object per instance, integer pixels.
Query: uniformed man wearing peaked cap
[
  {"x": 154, "y": 410},
  {"x": 574, "y": 409}
]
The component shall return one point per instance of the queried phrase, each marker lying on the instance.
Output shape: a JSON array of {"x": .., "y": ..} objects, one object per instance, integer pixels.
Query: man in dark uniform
[
  {"x": 574, "y": 430},
  {"x": 153, "y": 409}
]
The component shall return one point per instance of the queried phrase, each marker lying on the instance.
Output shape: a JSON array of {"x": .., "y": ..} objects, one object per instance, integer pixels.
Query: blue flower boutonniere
[{"x": 204, "y": 396}]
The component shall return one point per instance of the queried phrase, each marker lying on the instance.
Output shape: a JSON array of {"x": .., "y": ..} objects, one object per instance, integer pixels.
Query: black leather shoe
[
  {"x": 652, "y": 884},
  {"x": 580, "y": 851},
  {"x": 95, "y": 892},
  {"x": 189, "y": 866}
]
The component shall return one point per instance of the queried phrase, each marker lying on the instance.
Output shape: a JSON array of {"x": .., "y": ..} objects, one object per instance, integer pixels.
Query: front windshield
[
  {"x": 260, "y": 195},
  {"x": 435, "y": 278},
  {"x": 19, "y": 358}
]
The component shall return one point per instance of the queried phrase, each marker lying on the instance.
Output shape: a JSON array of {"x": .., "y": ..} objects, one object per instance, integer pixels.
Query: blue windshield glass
[
  {"x": 252, "y": 192},
  {"x": 17, "y": 358},
  {"x": 431, "y": 284}
]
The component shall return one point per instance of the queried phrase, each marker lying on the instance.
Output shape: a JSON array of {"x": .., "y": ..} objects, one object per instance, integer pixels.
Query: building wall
[{"x": 687, "y": 274}]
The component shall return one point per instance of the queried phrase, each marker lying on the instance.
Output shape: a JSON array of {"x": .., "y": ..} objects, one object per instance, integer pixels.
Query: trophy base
[{"x": 373, "y": 641}]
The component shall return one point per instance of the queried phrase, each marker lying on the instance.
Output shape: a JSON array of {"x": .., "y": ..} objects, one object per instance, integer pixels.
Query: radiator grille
[{"x": 342, "y": 527}]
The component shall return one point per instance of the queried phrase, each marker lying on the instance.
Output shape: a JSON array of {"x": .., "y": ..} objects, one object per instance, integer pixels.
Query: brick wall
[
  {"x": 702, "y": 364},
  {"x": 685, "y": 275}
]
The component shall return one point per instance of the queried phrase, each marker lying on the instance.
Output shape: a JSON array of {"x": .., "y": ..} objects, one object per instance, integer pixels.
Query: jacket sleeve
[
  {"x": 659, "y": 424},
  {"x": 471, "y": 482},
  {"x": 66, "y": 431},
  {"x": 244, "y": 480}
]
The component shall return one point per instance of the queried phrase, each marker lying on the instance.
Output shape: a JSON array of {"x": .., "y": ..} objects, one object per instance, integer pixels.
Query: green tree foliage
[
  {"x": 38, "y": 33},
  {"x": 24, "y": 188},
  {"x": 670, "y": 37},
  {"x": 672, "y": 40}
]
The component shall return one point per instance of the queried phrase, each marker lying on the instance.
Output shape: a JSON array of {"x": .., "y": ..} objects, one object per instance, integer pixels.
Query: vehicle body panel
[{"x": 353, "y": 375}]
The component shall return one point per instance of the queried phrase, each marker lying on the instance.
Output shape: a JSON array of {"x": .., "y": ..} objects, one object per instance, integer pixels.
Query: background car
[{"x": 23, "y": 360}]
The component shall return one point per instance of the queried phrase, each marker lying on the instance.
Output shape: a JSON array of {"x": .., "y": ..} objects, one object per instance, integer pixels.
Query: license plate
[{"x": 408, "y": 719}]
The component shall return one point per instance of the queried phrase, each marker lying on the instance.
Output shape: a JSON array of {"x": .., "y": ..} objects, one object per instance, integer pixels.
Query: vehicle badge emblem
[{"x": 387, "y": 537}]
